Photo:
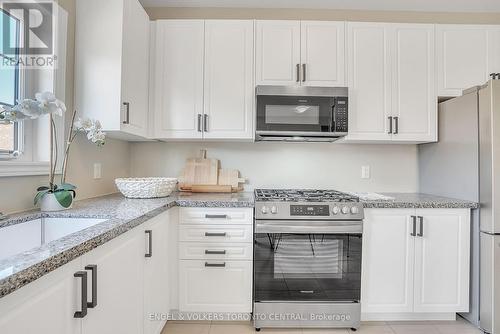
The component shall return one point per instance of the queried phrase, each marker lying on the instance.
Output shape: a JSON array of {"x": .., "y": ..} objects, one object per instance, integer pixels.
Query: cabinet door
[
  {"x": 494, "y": 46},
  {"x": 369, "y": 81},
  {"x": 179, "y": 79},
  {"x": 229, "y": 88},
  {"x": 120, "y": 264},
  {"x": 388, "y": 261},
  {"x": 462, "y": 57},
  {"x": 442, "y": 260},
  {"x": 215, "y": 286},
  {"x": 46, "y": 305},
  {"x": 156, "y": 284},
  {"x": 322, "y": 53},
  {"x": 277, "y": 52},
  {"x": 135, "y": 69},
  {"x": 414, "y": 90}
]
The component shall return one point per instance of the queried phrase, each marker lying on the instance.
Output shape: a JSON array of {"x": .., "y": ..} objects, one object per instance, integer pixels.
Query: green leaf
[
  {"x": 67, "y": 186},
  {"x": 64, "y": 197},
  {"x": 40, "y": 194}
]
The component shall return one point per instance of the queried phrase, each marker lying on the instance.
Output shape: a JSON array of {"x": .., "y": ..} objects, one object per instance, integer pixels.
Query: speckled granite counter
[
  {"x": 122, "y": 215},
  {"x": 416, "y": 200}
]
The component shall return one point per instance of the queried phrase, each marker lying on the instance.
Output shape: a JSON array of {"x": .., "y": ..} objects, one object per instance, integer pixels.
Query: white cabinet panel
[
  {"x": 277, "y": 52},
  {"x": 120, "y": 265},
  {"x": 229, "y": 86},
  {"x": 216, "y": 216},
  {"x": 218, "y": 251},
  {"x": 414, "y": 89},
  {"x": 216, "y": 233},
  {"x": 462, "y": 57},
  {"x": 388, "y": 258},
  {"x": 323, "y": 53},
  {"x": 156, "y": 266},
  {"x": 494, "y": 46},
  {"x": 227, "y": 288},
  {"x": 442, "y": 261},
  {"x": 46, "y": 305},
  {"x": 369, "y": 81},
  {"x": 179, "y": 78}
]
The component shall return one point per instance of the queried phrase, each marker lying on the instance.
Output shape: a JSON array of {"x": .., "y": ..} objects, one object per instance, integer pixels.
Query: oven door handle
[{"x": 309, "y": 227}]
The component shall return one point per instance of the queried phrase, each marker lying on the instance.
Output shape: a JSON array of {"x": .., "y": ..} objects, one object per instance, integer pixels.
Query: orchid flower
[{"x": 92, "y": 128}]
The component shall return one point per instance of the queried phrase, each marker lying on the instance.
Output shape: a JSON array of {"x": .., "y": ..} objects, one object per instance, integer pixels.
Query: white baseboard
[{"x": 407, "y": 316}]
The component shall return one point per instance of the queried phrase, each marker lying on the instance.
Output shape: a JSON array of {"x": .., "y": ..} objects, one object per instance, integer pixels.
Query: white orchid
[
  {"x": 92, "y": 128},
  {"x": 45, "y": 103}
]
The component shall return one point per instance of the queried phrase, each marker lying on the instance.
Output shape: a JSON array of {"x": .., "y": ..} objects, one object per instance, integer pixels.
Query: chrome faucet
[{"x": 3, "y": 217}]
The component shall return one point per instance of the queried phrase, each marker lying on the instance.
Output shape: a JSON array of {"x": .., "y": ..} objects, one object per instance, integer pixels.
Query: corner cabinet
[
  {"x": 112, "y": 65},
  {"x": 306, "y": 53},
  {"x": 415, "y": 263},
  {"x": 392, "y": 91},
  {"x": 204, "y": 79}
]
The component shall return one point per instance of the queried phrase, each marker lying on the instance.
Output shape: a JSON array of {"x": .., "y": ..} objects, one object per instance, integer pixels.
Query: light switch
[
  {"x": 97, "y": 170},
  {"x": 365, "y": 172}
]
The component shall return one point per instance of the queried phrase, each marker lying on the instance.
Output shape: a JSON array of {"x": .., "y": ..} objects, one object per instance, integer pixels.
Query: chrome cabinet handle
[
  {"x": 219, "y": 265},
  {"x": 390, "y": 125},
  {"x": 150, "y": 243},
  {"x": 220, "y": 252},
  {"x": 298, "y": 72},
  {"x": 216, "y": 216},
  {"x": 83, "y": 312},
  {"x": 396, "y": 125},
  {"x": 93, "y": 269},
  {"x": 421, "y": 222},
  {"x": 303, "y": 72},
  {"x": 205, "y": 123},
  {"x": 414, "y": 226},
  {"x": 127, "y": 113},
  {"x": 199, "y": 123},
  {"x": 212, "y": 234}
]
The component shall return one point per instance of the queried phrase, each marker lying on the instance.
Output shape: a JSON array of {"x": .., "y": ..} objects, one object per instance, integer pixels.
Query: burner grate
[{"x": 306, "y": 195}]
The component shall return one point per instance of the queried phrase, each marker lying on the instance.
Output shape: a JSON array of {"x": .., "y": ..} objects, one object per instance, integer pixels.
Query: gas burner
[{"x": 303, "y": 195}]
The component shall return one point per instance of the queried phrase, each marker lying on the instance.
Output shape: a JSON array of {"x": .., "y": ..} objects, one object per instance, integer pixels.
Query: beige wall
[
  {"x": 321, "y": 14},
  {"x": 16, "y": 193}
]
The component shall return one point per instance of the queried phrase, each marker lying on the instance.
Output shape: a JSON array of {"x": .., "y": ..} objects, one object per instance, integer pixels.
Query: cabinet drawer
[
  {"x": 215, "y": 286},
  {"x": 216, "y": 233},
  {"x": 242, "y": 216},
  {"x": 219, "y": 251}
]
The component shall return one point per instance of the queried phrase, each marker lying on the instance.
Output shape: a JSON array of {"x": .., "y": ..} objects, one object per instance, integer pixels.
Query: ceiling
[{"x": 398, "y": 5}]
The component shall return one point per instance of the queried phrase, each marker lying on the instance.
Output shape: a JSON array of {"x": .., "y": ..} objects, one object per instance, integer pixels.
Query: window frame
[{"x": 19, "y": 83}]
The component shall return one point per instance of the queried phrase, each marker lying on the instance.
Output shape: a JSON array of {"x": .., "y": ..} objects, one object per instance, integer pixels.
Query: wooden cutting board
[
  {"x": 230, "y": 177},
  {"x": 200, "y": 171}
]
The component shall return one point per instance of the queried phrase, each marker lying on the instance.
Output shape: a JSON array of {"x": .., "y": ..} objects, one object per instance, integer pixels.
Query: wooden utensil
[{"x": 230, "y": 177}]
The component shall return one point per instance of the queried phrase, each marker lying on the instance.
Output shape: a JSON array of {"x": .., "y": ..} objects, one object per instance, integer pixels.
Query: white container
[
  {"x": 147, "y": 187},
  {"x": 49, "y": 203}
]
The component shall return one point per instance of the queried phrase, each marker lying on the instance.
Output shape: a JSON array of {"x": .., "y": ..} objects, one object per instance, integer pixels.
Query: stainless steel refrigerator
[{"x": 465, "y": 163}]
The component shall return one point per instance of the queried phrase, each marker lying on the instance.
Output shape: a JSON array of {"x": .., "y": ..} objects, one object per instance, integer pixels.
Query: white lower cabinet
[{"x": 415, "y": 261}]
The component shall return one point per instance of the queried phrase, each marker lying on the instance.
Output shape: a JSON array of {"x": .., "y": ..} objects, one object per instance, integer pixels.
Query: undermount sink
[{"x": 18, "y": 238}]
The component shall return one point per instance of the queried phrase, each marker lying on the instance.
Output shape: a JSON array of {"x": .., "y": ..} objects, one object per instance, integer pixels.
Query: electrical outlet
[
  {"x": 365, "y": 172},
  {"x": 97, "y": 170}
]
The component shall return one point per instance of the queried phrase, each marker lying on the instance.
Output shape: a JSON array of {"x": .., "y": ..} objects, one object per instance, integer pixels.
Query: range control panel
[{"x": 309, "y": 210}]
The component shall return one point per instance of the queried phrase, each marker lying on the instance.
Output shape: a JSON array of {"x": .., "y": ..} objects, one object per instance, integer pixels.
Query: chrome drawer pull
[
  {"x": 217, "y": 265},
  {"x": 211, "y": 234},
  {"x": 215, "y": 251},
  {"x": 216, "y": 216}
]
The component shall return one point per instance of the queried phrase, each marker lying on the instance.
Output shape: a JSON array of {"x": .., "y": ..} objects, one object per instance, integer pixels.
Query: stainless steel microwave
[{"x": 290, "y": 113}]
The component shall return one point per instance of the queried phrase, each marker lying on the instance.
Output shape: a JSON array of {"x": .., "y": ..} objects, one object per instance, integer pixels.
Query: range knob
[
  {"x": 264, "y": 210},
  {"x": 354, "y": 210},
  {"x": 274, "y": 210},
  {"x": 335, "y": 210},
  {"x": 345, "y": 210}
]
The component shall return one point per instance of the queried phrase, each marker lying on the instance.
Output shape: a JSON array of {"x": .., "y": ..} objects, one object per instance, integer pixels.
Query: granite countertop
[
  {"x": 416, "y": 200},
  {"x": 122, "y": 215}
]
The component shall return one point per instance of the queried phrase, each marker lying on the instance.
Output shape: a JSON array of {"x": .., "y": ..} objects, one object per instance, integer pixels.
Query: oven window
[
  {"x": 307, "y": 267},
  {"x": 289, "y": 114}
]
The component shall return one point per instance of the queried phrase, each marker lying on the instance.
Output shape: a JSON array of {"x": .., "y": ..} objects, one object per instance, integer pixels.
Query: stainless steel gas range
[{"x": 307, "y": 259}]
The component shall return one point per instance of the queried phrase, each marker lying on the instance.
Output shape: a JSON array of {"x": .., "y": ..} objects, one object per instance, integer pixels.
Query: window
[{"x": 10, "y": 134}]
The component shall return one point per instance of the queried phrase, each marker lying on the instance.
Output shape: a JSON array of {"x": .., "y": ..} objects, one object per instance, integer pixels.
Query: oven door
[
  {"x": 295, "y": 114},
  {"x": 307, "y": 266}
]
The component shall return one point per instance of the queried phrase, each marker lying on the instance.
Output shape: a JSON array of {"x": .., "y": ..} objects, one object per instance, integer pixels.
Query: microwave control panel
[{"x": 340, "y": 114}]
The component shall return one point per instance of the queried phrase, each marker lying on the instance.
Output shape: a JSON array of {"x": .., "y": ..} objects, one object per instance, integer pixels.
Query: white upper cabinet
[
  {"x": 277, "y": 52},
  {"x": 463, "y": 55},
  {"x": 414, "y": 107},
  {"x": 391, "y": 80},
  {"x": 178, "y": 77},
  {"x": 229, "y": 85},
  {"x": 369, "y": 81},
  {"x": 112, "y": 65},
  {"x": 494, "y": 44},
  {"x": 322, "y": 53}
]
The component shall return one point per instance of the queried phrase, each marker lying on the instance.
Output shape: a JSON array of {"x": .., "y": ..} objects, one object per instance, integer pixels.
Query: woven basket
[{"x": 147, "y": 187}]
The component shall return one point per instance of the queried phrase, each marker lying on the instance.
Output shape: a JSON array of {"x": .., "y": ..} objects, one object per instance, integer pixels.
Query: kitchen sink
[{"x": 18, "y": 238}]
